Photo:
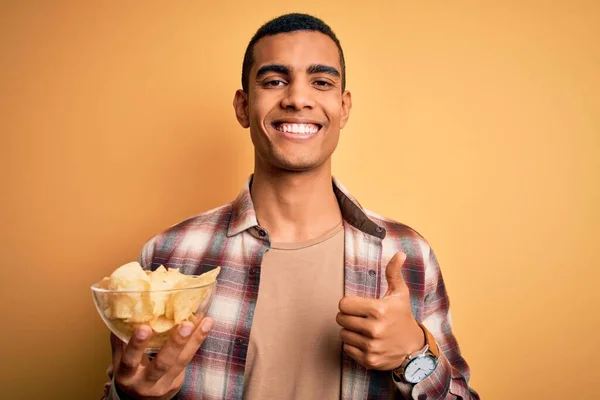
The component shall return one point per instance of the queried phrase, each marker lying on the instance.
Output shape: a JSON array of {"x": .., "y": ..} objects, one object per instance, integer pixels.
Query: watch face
[{"x": 419, "y": 368}]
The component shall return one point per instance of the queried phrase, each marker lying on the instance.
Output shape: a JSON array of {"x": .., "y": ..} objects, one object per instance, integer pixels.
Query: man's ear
[
  {"x": 240, "y": 105},
  {"x": 346, "y": 107}
]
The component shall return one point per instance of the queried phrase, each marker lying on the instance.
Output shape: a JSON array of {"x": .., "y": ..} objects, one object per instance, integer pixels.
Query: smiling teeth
[{"x": 298, "y": 128}]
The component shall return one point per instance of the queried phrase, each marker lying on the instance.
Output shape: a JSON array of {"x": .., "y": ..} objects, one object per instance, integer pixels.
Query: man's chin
[{"x": 297, "y": 166}]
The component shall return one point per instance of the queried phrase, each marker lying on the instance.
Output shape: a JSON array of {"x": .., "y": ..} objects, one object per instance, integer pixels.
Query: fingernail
[
  {"x": 207, "y": 325},
  {"x": 186, "y": 329},
  {"x": 142, "y": 332}
]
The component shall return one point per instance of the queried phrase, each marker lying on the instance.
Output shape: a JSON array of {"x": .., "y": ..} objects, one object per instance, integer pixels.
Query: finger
[
  {"x": 356, "y": 324},
  {"x": 393, "y": 274},
  {"x": 354, "y": 339},
  {"x": 357, "y": 306},
  {"x": 134, "y": 351},
  {"x": 169, "y": 353},
  {"x": 355, "y": 353},
  {"x": 191, "y": 348},
  {"x": 116, "y": 346}
]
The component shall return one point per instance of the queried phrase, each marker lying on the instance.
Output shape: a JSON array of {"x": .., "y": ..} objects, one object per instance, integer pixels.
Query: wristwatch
[{"x": 419, "y": 365}]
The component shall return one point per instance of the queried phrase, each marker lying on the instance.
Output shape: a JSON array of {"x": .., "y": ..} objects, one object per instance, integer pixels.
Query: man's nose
[{"x": 298, "y": 95}]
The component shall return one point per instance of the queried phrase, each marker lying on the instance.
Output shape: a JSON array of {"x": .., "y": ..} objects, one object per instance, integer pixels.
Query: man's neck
[{"x": 295, "y": 207}]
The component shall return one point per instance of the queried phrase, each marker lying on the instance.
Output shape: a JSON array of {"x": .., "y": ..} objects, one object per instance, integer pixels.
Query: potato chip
[
  {"x": 208, "y": 277},
  {"x": 162, "y": 324},
  {"x": 103, "y": 284},
  {"x": 184, "y": 303},
  {"x": 142, "y": 309},
  {"x": 103, "y": 298},
  {"x": 161, "y": 279},
  {"x": 134, "y": 306},
  {"x": 162, "y": 298},
  {"x": 130, "y": 276}
]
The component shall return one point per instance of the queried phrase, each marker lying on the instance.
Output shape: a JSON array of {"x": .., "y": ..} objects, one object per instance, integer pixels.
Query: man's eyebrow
[
  {"x": 323, "y": 69},
  {"x": 284, "y": 70},
  {"x": 277, "y": 68}
]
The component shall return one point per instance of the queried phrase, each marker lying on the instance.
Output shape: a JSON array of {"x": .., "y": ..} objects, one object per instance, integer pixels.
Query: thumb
[{"x": 393, "y": 274}]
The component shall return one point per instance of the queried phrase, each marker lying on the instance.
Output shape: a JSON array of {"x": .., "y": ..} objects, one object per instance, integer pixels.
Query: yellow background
[{"x": 476, "y": 123}]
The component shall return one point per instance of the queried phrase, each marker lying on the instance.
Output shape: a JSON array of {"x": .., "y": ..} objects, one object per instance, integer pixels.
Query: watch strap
[{"x": 430, "y": 341}]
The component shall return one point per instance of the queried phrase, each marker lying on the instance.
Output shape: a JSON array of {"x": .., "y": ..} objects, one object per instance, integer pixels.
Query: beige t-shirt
[{"x": 295, "y": 348}]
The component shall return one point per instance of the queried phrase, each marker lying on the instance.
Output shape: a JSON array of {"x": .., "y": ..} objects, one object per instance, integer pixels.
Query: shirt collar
[{"x": 243, "y": 215}]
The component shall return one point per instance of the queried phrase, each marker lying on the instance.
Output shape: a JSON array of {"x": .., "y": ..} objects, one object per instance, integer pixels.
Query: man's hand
[
  {"x": 380, "y": 333},
  {"x": 162, "y": 377}
]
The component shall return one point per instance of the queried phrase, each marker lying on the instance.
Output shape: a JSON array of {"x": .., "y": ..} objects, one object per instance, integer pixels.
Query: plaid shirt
[{"x": 230, "y": 237}]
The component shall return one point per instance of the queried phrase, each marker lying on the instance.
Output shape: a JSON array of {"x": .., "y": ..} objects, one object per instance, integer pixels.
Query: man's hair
[{"x": 285, "y": 24}]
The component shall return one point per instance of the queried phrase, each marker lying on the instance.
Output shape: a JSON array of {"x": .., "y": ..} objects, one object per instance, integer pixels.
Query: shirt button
[
  {"x": 379, "y": 229},
  {"x": 422, "y": 396},
  {"x": 238, "y": 341},
  {"x": 372, "y": 272},
  {"x": 252, "y": 271},
  {"x": 262, "y": 233}
]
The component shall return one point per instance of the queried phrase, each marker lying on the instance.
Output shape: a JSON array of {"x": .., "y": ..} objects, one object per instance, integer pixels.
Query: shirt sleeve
[
  {"x": 450, "y": 379},
  {"x": 110, "y": 392},
  {"x": 146, "y": 256}
]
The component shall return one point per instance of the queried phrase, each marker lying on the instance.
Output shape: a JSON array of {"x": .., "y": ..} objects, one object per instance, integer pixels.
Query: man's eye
[
  {"x": 273, "y": 83},
  {"x": 322, "y": 84}
]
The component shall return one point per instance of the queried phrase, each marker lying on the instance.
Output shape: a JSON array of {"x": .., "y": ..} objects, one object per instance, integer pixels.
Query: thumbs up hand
[{"x": 380, "y": 333}]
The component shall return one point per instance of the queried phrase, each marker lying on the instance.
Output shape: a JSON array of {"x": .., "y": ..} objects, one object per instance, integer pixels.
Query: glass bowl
[{"x": 163, "y": 310}]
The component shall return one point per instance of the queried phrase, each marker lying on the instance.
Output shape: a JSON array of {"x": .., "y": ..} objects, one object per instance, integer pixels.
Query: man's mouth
[{"x": 299, "y": 128}]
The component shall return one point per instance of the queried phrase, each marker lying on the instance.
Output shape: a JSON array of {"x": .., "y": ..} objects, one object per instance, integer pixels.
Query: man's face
[{"x": 294, "y": 107}]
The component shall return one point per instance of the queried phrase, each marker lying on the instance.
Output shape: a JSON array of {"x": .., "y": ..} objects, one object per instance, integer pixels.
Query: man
[{"x": 317, "y": 298}]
